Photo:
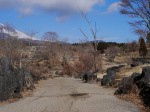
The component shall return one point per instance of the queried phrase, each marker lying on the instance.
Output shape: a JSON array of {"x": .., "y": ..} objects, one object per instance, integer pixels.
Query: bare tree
[
  {"x": 140, "y": 10},
  {"x": 148, "y": 39},
  {"x": 93, "y": 30},
  {"x": 131, "y": 47},
  {"x": 112, "y": 52},
  {"x": 31, "y": 34},
  {"x": 50, "y": 36},
  {"x": 143, "y": 49},
  {"x": 50, "y": 46},
  {"x": 65, "y": 50},
  {"x": 67, "y": 56},
  {"x": 12, "y": 47}
]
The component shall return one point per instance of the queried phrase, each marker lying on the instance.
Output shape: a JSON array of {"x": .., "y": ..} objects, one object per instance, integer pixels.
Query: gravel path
[{"x": 70, "y": 95}]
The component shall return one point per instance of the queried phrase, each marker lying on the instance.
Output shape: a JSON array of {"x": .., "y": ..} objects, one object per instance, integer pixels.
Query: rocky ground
[{"x": 70, "y": 95}]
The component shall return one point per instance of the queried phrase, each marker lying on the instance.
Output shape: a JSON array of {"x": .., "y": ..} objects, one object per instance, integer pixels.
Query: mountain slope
[{"x": 6, "y": 30}]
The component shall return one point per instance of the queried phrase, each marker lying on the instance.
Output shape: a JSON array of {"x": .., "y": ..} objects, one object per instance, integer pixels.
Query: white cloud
[
  {"x": 113, "y": 7},
  {"x": 62, "y": 18},
  {"x": 26, "y": 11},
  {"x": 60, "y": 7}
]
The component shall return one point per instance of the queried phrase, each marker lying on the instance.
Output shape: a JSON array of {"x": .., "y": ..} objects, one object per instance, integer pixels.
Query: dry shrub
[
  {"x": 87, "y": 60},
  {"x": 85, "y": 63},
  {"x": 131, "y": 47},
  {"x": 12, "y": 47},
  {"x": 112, "y": 52},
  {"x": 128, "y": 60},
  {"x": 134, "y": 98},
  {"x": 119, "y": 76},
  {"x": 67, "y": 70},
  {"x": 79, "y": 67},
  {"x": 39, "y": 72},
  {"x": 49, "y": 54}
]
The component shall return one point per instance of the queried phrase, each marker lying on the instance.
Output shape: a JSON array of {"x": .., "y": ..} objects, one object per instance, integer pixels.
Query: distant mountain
[{"x": 7, "y": 31}]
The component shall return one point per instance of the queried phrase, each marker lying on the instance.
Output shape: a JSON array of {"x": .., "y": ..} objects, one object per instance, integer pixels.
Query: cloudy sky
[{"x": 64, "y": 17}]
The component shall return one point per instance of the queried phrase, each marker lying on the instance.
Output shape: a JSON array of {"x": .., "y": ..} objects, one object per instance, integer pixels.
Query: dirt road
[{"x": 70, "y": 95}]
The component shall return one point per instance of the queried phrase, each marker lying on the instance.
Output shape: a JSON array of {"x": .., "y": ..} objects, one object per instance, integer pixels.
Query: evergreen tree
[
  {"x": 143, "y": 49},
  {"x": 148, "y": 39}
]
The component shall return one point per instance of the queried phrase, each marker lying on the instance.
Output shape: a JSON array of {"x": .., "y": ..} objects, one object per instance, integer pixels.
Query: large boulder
[
  {"x": 143, "y": 83},
  {"x": 12, "y": 80},
  {"x": 143, "y": 79},
  {"x": 135, "y": 64},
  {"x": 137, "y": 81},
  {"x": 109, "y": 78},
  {"x": 127, "y": 84},
  {"x": 8, "y": 79},
  {"x": 145, "y": 95},
  {"x": 116, "y": 68},
  {"x": 88, "y": 76}
]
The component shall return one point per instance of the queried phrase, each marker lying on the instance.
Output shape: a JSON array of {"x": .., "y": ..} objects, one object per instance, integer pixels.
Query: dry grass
[
  {"x": 126, "y": 58},
  {"x": 134, "y": 98},
  {"x": 129, "y": 71}
]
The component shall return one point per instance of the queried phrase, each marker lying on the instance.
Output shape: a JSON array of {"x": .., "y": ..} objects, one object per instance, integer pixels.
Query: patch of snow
[
  {"x": 1, "y": 24},
  {"x": 18, "y": 33}
]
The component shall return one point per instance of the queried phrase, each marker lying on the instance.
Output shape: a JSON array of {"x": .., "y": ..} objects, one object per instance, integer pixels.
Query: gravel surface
[{"x": 70, "y": 95}]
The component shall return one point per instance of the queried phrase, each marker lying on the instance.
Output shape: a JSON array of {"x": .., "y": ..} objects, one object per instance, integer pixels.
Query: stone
[
  {"x": 144, "y": 78},
  {"x": 139, "y": 81},
  {"x": 143, "y": 83},
  {"x": 145, "y": 95},
  {"x": 8, "y": 79},
  {"x": 127, "y": 84},
  {"x": 116, "y": 68},
  {"x": 88, "y": 76},
  {"x": 135, "y": 64},
  {"x": 109, "y": 78},
  {"x": 12, "y": 80}
]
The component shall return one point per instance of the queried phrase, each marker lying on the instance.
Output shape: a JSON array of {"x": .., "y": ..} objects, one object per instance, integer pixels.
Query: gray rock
[
  {"x": 143, "y": 83},
  {"x": 127, "y": 84},
  {"x": 135, "y": 64},
  {"x": 109, "y": 78},
  {"x": 8, "y": 79},
  {"x": 116, "y": 68},
  {"x": 145, "y": 95},
  {"x": 13, "y": 81},
  {"x": 140, "y": 80},
  {"x": 88, "y": 76},
  {"x": 144, "y": 78}
]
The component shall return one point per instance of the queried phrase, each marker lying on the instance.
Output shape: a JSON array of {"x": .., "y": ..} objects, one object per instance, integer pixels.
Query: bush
[
  {"x": 85, "y": 63},
  {"x": 143, "y": 49}
]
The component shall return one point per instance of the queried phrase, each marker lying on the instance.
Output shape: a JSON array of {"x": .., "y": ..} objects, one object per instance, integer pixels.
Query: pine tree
[
  {"x": 143, "y": 49},
  {"x": 148, "y": 39}
]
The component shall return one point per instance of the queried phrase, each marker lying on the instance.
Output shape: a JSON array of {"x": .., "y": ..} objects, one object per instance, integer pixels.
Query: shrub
[{"x": 143, "y": 49}]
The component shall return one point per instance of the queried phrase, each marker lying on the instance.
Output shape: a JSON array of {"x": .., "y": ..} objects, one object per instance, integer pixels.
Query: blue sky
[{"x": 62, "y": 16}]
